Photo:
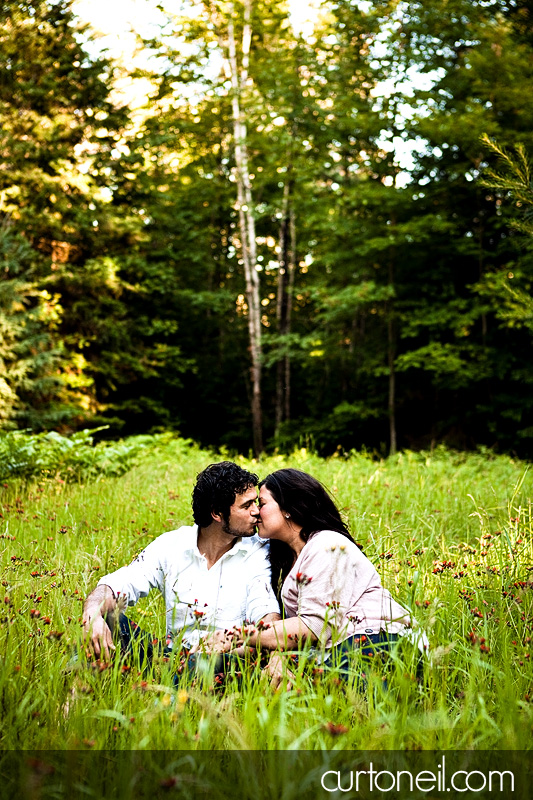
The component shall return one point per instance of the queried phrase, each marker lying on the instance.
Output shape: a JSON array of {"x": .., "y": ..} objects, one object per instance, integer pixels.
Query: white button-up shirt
[{"x": 198, "y": 599}]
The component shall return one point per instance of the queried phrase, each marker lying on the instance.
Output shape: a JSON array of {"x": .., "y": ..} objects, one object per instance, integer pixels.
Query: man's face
[{"x": 243, "y": 514}]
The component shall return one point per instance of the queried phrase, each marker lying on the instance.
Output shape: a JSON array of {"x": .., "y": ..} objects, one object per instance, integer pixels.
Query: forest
[{"x": 304, "y": 238}]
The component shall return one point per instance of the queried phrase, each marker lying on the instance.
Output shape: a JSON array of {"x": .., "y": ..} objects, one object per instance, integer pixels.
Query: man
[{"x": 213, "y": 575}]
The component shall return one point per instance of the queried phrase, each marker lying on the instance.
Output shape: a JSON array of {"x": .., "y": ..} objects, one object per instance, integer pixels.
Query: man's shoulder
[{"x": 183, "y": 538}]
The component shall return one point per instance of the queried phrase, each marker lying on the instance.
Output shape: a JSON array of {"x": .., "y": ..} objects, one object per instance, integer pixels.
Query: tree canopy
[{"x": 298, "y": 241}]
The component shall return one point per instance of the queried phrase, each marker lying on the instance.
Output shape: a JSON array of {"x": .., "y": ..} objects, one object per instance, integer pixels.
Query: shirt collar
[
  {"x": 244, "y": 544},
  {"x": 190, "y": 538}
]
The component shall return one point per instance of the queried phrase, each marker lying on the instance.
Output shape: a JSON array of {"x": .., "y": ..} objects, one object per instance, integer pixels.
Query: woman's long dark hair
[{"x": 310, "y": 505}]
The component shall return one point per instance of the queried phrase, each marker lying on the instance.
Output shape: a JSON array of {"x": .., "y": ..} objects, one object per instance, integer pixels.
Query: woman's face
[{"x": 272, "y": 523}]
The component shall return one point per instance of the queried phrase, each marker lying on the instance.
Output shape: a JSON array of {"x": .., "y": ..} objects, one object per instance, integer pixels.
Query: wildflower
[
  {"x": 334, "y": 729},
  {"x": 182, "y": 696},
  {"x": 198, "y": 614},
  {"x": 302, "y": 579},
  {"x": 440, "y": 566}
]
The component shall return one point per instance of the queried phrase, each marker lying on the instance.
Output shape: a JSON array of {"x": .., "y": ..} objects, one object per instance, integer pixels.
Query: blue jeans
[
  {"x": 198, "y": 666},
  {"x": 368, "y": 645}
]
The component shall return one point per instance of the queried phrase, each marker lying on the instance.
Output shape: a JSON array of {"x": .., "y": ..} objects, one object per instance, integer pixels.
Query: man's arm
[
  {"x": 269, "y": 618},
  {"x": 129, "y": 583},
  {"x": 96, "y": 632}
]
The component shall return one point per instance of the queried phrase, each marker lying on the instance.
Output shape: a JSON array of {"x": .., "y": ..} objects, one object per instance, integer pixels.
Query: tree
[
  {"x": 63, "y": 142},
  {"x": 238, "y": 74},
  {"x": 453, "y": 350},
  {"x": 512, "y": 180},
  {"x": 256, "y": 83},
  {"x": 32, "y": 388}
]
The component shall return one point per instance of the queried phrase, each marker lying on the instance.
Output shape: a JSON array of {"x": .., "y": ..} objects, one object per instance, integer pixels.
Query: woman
[{"x": 332, "y": 594}]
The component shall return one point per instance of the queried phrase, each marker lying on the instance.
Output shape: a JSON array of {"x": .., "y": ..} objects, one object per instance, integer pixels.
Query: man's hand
[
  {"x": 98, "y": 638},
  {"x": 96, "y": 632},
  {"x": 277, "y": 671}
]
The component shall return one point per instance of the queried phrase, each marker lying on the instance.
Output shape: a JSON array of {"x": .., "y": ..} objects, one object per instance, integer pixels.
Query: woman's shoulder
[{"x": 326, "y": 539}]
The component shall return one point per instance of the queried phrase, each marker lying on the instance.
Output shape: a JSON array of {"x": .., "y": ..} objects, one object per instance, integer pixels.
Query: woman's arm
[{"x": 284, "y": 634}]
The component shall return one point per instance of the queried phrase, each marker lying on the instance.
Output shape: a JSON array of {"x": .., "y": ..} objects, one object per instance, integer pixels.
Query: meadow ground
[{"x": 451, "y": 535}]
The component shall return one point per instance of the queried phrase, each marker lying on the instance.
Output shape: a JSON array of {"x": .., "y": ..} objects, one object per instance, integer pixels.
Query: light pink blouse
[{"x": 336, "y": 591}]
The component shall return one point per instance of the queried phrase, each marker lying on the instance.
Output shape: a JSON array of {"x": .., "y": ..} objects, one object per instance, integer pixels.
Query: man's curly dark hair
[{"x": 216, "y": 489}]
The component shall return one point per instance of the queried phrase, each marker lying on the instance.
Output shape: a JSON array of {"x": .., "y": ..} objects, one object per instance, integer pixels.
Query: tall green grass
[{"x": 451, "y": 535}]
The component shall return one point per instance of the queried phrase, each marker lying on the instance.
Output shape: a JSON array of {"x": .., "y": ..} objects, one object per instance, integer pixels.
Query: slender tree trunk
[
  {"x": 291, "y": 265},
  {"x": 239, "y": 77}
]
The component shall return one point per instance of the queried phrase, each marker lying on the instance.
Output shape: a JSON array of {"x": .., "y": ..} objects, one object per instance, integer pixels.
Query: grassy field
[{"x": 451, "y": 535}]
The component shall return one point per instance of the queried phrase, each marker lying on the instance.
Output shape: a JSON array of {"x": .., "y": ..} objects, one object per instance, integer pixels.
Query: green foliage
[
  {"x": 32, "y": 391},
  {"x": 384, "y": 278},
  {"x": 70, "y": 458},
  {"x": 512, "y": 286},
  {"x": 53, "y": 99}
]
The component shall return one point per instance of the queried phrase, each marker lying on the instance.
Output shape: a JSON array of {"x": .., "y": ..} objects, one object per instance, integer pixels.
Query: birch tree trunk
[{"x": 238, "y": 75}]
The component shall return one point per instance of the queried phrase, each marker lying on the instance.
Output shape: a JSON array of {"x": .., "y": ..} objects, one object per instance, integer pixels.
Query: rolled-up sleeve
[
  {"x": 146, "y": 571},
  {"x": 330, "y": 579}
]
